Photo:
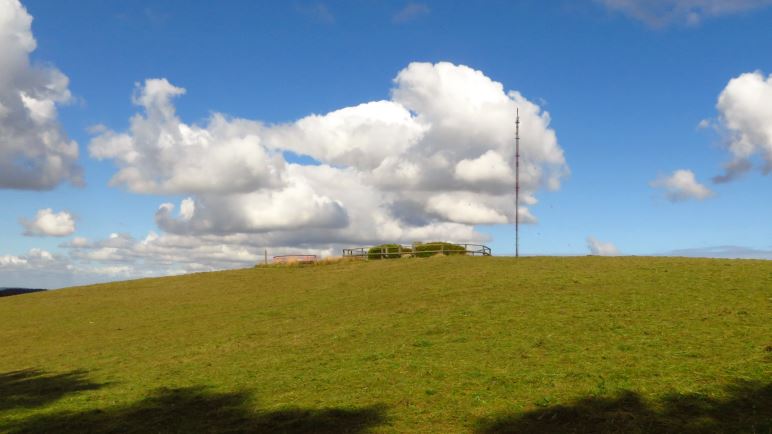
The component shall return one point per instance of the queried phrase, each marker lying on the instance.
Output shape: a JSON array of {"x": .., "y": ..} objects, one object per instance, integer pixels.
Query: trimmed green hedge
[
  {"x": 423, "y": 250},
  {"x": 387, "y": 251},
  {"x": 438, "y": 248}
]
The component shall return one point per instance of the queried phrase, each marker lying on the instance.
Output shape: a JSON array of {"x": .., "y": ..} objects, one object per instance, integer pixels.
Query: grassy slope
[{"x": 441, "y": 344}]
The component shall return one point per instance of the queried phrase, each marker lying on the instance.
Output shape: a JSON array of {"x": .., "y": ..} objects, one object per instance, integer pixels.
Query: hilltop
[{"x": 452, "y": 344}]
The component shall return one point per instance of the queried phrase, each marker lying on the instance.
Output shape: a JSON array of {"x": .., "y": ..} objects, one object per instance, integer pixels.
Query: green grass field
[{"x": 451, "y": 344}]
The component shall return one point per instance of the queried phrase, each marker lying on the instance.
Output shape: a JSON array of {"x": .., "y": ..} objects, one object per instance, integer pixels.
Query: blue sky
[{"x": 626, "y": 87}]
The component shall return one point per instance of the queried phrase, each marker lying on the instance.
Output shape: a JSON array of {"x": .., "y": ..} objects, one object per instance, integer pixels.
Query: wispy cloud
[
  {"x": 410, "y": 12},
  {"x": 317, "y": 11},
  {"x": 155, "y": 17},
  {"x": 681, "y": 185},
  {"x": 661, "y": 13},
  {"x": 601, "y": 248},
  {"x": 738, "y": 252}
]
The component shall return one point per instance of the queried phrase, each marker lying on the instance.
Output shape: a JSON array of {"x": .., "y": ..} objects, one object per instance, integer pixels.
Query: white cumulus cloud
[
  {"x": 489, "y": 167},
  {"x": 464, "y": 208},
  {"x": 681, "y": 185},
  {"x": 35, "y": 154},
  {"x": 601, "y": 248},
  {"x": 431, "y": 162},
  {"x": 50, "y": 224},
  {"x": 161, "y": 155},
  {"x": 745, "y": 112},
  {"x": 294, "y": 207},
  {"x": 361, "y": 136}
]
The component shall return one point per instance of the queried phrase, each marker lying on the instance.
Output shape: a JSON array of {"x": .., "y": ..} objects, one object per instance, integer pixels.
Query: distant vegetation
[
  {"x": 448, "y": 344},
  {"x": 6, "y": 292},
  {"x": 422, "y": 250},
  {"x": 428, "y": 249},
  {"x": 388, "y": 251}
]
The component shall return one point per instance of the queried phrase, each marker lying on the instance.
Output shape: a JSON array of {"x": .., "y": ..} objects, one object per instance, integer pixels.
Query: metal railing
[{"x": 415, "y": 251}]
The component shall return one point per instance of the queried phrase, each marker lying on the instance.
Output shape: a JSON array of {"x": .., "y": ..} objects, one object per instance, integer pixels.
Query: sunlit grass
[{"x": 438, "y": 344}]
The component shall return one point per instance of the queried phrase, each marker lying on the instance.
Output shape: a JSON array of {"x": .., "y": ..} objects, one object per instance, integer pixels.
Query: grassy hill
[{"x": 452, "y": 344}]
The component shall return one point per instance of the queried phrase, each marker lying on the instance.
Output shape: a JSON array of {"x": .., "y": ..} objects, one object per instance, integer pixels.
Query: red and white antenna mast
[{"x": 517, "y": 184}]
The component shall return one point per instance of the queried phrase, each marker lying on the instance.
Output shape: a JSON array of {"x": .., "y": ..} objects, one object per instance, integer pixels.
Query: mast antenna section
[{"x": 517, "y": 184}]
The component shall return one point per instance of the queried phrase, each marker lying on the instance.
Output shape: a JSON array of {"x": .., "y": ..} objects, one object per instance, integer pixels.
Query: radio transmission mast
[{"x": 517, "y": 184}]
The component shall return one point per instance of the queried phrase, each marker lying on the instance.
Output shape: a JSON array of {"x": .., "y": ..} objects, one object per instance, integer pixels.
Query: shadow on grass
[
  {"x": 196, "y": 410},
  {"x": 33, "y": 388},
  {"x": 747, "y": 408}
]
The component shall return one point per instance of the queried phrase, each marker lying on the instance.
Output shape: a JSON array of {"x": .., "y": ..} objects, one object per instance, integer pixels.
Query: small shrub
[
  {"x": 387, "y": 251},
  {"x": 438, "y": 248}
]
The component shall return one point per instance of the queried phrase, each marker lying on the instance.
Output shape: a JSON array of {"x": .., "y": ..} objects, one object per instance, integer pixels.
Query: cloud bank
[
  {"x": 55, "y": 271},
  {"x": 35, "y": 154},
  {"x": 429, "y": 163}
]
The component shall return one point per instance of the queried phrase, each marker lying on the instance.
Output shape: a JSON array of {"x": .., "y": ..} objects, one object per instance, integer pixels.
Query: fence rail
[{"x": 414, "y": 251}]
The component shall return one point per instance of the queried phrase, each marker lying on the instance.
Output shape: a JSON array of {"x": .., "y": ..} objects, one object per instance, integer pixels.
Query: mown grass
[{"x": 453, "y": 344}]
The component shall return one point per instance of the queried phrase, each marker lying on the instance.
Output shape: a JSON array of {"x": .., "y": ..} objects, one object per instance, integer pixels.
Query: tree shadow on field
[
  {"x": 32, "y": 388},
  {"x": 196, "y": 410},
  {"x": 747, "y": 408}
]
